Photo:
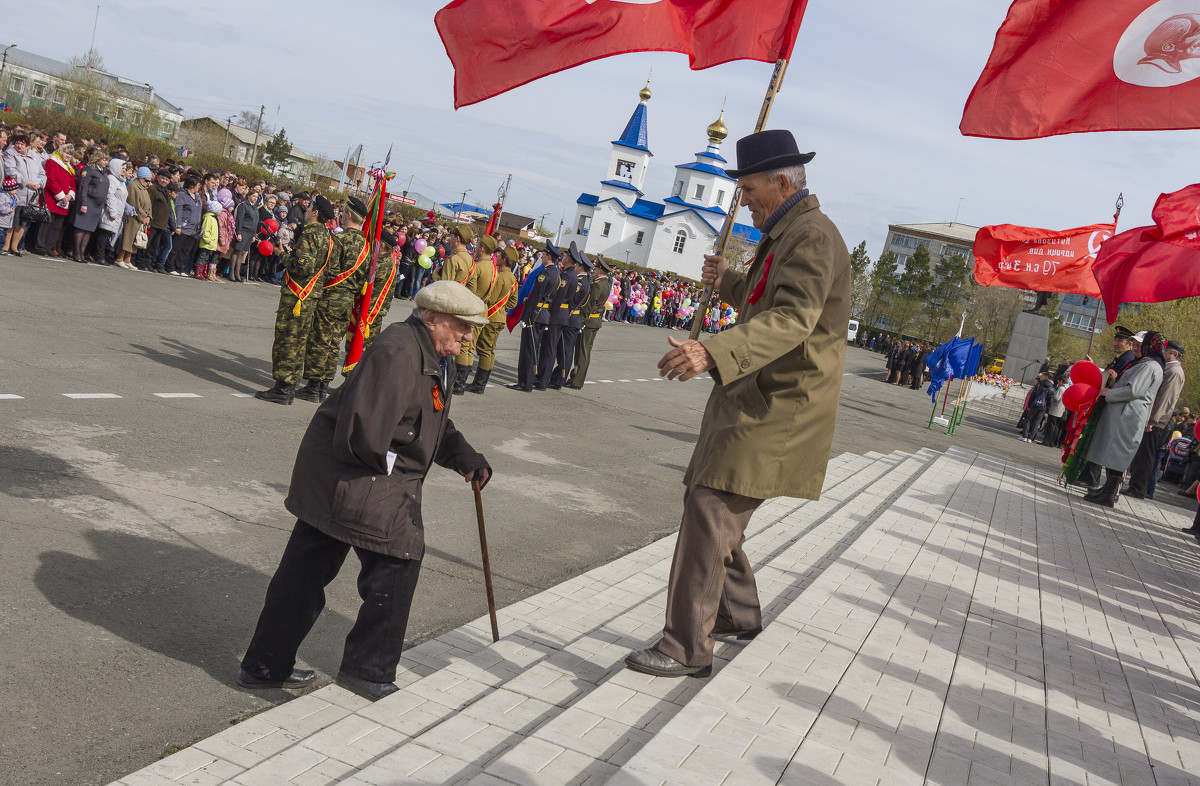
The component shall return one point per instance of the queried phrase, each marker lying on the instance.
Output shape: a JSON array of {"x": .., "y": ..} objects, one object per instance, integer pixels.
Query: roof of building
[
  {"x": 708, "y": 168},
  {"x": 747, "y": 233},
  {"x": 946, "y": 230},
  {"x": 674, "y": 200},
  {"x": 636, "y": 134},
  {"x": 588, "y": 199},
  {"x": 624, "y": 184},
  {"x": 141, "y": 91},
  {"x": 246, "y": 137},
  {"x": 644, "y": 208},
  {"x": 463, "y": 207},
  {"x": 712, "y": 154},
  {"x": 515, "y": 220}
]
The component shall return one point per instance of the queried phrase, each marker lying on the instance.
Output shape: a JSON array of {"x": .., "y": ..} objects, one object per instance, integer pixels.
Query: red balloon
[
  {"x": 1196, "y": 431},
  {"x": 265, "y": 248},
  {"x": 401, "y": 239},
  {"x": 1077, "y": 395},
  {"x": 272, "y": 225},
  {"x": 1087, "y": 373}
]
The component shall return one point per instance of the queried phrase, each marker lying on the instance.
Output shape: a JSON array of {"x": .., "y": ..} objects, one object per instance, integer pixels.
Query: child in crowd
[
  {"x": 8, "y": 206},
  {"x": 207, "y": 256},
  {"x": 226, "y": 230}
]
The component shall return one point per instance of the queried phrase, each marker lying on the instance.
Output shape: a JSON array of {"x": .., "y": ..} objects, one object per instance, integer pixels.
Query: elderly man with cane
[
  {"x": 768, "y": 426},
  {"x": 357, "y": 484}
]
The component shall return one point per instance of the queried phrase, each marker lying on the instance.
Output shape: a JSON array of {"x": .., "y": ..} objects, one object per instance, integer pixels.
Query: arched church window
[{"x": 680, "y": 239}]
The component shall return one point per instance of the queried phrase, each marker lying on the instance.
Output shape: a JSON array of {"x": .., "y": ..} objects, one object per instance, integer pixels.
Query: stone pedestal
[{"x": 1027, "y": 347}]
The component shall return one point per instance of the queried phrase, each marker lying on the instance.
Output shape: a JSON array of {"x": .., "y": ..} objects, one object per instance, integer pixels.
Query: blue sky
[{"x": 875, "y": 88}]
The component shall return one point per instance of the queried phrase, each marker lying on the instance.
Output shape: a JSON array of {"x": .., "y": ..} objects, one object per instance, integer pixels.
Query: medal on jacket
[
  {"x": 762, "y": 285},
  {"x": 438, "y": 404}
]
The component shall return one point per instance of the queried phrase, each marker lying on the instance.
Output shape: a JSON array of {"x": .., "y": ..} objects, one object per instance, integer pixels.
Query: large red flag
[
  {"x": 1065, "y": 66},
  {"x": 1157, "y": 263},
  {"x": 1044, "y": 260},
  {"x": 496, "y": 45}
]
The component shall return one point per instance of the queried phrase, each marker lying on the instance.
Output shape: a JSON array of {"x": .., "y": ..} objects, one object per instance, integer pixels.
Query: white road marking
[
  {"x": 606, "y": 380},
  {"x": 641, "y": 380},
  {"x": 91, "y": 395},
  {"x": 624, "y": 380},
  {"x": 589, "y": 382},
  {"x": 242, "y": 395},
  {"x": 10, "y": 396},
  {"x": 179, "y": 395}
]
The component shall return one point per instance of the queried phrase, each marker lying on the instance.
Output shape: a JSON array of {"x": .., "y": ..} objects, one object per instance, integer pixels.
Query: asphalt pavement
[{"x": 142, "y": 486}]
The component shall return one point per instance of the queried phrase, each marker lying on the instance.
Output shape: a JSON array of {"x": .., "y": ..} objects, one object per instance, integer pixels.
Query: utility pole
[
  {"x": 410, "y": 179},
  {"x": 3, "y": 64},
  {"x": 225, "y": 144},
  {"x": 257, "y": 131},
  {"x": 462, "y": 203}
]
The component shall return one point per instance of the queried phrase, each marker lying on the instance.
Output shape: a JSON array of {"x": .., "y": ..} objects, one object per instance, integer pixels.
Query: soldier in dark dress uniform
[
  {"x": 558, "y": 315},
  {"x": 593, "y": 318},
  {"x": 536, "y": 318},
  {"x": 577, "y": 273},
  {"x": 304, "y": 272},
  {"x": 344, "y": 279}
]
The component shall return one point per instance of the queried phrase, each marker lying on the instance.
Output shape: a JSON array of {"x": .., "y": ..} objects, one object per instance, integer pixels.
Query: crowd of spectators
[{"x": 83, "y": 201}]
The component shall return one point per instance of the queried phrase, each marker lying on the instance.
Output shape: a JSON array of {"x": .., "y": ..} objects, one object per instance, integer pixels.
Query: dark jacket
[
  {"x": 341, "y": 484},
  {"x": 544, "y": 287},
  {"x": 245, "y": 223},
  {"x": 160, "y": 207},
  {"x": 577, "y": 300},
  {"x": 561, "y": 299}
]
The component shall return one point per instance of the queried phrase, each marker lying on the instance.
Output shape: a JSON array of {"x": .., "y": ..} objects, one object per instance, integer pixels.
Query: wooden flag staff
[{"x": 735, "y": 202}]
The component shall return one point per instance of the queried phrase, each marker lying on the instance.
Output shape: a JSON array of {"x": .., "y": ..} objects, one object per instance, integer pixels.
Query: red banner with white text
[{"x": 1044, "y": 260}]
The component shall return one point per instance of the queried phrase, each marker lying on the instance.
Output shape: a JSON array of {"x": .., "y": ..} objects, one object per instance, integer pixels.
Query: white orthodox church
[{"x": 673, "y": 234}]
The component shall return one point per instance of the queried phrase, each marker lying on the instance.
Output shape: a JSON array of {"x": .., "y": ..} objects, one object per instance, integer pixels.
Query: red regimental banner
[{"x": 1044, "y": 260}]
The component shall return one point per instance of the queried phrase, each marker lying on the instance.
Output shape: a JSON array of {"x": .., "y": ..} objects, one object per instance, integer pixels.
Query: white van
[{"x": 852, "y": 331}]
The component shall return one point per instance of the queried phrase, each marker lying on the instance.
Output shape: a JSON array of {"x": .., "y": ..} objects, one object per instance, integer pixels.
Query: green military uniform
[
  {"x": 464, "y": 269},
  {"x": 502, "y": 297},
  {"x": 345, "y": 276},
  {"x": 383, "y": 290},
  {"x": 298, "y": 298},
  {"x": 593, "y": 318}
]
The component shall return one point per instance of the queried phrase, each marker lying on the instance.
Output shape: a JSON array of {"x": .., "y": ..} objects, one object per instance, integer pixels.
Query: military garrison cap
[
  {"x": 511, "y": 254},
  {"x": 489, "y": 244},
  {"x": 324, "y": 208},
  {"x": 464, "y": 233}
]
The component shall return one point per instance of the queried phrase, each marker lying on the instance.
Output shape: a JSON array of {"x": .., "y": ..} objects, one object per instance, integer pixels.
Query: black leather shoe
[
  {"x": 1190, "y": 531},
  {"x": 516, "y": 386},
  {"x": 297, "y": 679},
  {"x": 740, "y": 634},
  {"x": 373, "y": 691},
  {"x": 310, "y": 392},
  {"x": 1133, "y": 494},
  {"x": 651, "y": 661}
]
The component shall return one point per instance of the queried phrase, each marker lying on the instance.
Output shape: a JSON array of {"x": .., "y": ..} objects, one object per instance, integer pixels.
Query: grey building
[{"x": 942, "y": 240}]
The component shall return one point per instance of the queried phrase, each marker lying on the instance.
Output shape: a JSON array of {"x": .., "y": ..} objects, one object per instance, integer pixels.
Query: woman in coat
[
  {"x": 92, "y": 193},
  {"x": 245, "y": 227},
  {"x": 1123, "y": 419},
  {"x": 58, "y": 196},
  {"x": 22, "y": 163},
  {"x": 139, "y": 200},
  {"x": 114, "y": 209}
]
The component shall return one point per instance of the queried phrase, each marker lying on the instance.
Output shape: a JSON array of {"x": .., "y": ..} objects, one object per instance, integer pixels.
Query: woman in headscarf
[
  {"x": 114, "y": 208},
  {"x": 1123, "y": 419}
]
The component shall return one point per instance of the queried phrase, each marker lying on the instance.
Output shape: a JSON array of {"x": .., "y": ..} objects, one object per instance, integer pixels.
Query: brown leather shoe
[
  {"x": 651, "y": 661},
  {"x": 745, "y": 634}
]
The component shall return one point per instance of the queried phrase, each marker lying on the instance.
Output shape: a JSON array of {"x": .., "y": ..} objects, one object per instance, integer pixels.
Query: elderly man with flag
[{"x": 768, "y": 425}]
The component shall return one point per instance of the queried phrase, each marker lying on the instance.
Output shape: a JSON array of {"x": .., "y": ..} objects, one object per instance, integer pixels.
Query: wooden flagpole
[{"x": 735, "y": 202}]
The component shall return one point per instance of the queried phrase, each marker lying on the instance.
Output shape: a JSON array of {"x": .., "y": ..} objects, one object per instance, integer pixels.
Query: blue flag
[{"x": 948, "y": 360}]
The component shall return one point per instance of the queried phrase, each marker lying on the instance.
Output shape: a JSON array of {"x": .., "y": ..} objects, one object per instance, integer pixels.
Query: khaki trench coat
[
  {"x": 768, "y": 425},
  {"x": 341, "y": 483},
  {"x": 139, "y": 199}
]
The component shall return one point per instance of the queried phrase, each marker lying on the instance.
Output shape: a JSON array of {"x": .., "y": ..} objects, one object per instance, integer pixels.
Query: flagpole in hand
[
  {"x": 736, "y": 200},
  {"x": 1096, "y": 316}
]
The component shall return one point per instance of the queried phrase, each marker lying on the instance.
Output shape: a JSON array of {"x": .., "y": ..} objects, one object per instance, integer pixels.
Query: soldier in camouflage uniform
[
  {"x": 501, "y": 296},
  {"x": 383, "y": 290},
  {"x": 298, "y": 297},
  {"x": 344, "y": 279}
]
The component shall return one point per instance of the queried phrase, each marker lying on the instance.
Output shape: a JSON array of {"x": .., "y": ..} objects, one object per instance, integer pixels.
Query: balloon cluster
[
  {"x": 686, "y": 309},
  {"x": 724, "y": 316},
  {"x": 639, "y": 301},
  {"x": 1086, "y": 379},
  {"x": 267, "y": 230},
  {"x": 424, "y": 252}
]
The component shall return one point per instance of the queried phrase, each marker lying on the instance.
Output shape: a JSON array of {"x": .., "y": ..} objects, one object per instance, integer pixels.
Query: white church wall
[{"x": 698, "y": 240}]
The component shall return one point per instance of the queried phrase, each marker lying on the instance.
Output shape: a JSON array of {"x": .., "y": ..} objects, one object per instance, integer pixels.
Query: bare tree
[{"x": 248, "y": 118}]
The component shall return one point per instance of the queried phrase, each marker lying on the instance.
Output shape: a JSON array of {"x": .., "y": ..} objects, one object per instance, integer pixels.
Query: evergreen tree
[
  {"x": 883, "y": 281},
  {"x": 275, "y": 152},
  {"x": 860, "y": 282},
  {"x": 946, "y": 296},
  {"x": 912, "y": 290}
]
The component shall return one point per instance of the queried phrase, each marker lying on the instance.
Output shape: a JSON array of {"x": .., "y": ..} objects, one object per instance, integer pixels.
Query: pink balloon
[{"x": 419, "y": 245}]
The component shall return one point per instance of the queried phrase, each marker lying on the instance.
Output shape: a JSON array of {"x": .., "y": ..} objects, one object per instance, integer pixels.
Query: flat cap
[
  {"x": 1175, "y": 345},
  {"x": 465, "y": 233},
  {"x": 489, "y": 244},
  {"x": 451, "y": 297},
  {"x": 301, "y": 195}
]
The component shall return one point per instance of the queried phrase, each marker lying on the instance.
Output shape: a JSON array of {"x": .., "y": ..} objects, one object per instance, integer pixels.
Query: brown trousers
[{"x": 712, "y": 584}]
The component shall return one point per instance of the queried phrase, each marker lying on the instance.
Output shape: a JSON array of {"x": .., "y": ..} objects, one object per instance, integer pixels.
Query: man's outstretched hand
[{"x": 686, "y": 360}]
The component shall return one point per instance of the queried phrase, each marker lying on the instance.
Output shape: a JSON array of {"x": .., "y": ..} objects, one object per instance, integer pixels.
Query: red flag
[
  {"x": 496, "y": 45},
  {"x": 1157, "y": 263},
  {"x": 1044, "y": 260},
  {"x": 1066, "y": 66}
]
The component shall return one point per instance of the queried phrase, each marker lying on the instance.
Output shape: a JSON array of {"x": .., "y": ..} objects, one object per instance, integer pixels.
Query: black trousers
[
  {"x": 531, "y": 336},
  {"x": 1142, "y": 465},
  {"x": 296, "y": 596},
  {"x": 548, "y": 354},
  {"x": 566, "y": 356}
]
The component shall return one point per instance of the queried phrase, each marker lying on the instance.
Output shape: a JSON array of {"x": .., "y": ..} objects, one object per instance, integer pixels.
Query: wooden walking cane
[
  {"x": 487, "y": 567},
  {"x": 735, "y": 202}
]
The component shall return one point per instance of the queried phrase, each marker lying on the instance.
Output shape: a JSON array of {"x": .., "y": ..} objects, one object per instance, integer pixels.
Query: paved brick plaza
[{"x": 945, "y": 618}]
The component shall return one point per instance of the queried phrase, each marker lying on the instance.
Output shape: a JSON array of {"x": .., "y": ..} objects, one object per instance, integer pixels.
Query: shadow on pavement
[{"x": 226, "y": 369}]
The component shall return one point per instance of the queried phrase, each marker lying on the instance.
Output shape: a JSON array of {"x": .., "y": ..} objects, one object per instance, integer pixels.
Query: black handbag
[{"x": 35, "y": 212}]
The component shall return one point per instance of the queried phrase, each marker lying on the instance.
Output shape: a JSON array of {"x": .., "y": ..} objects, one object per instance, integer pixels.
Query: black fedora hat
[{"x": 767, "y": 150}]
